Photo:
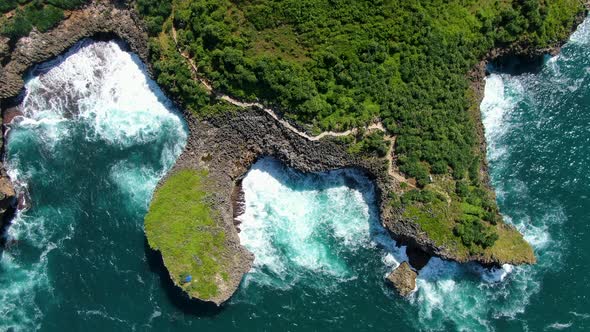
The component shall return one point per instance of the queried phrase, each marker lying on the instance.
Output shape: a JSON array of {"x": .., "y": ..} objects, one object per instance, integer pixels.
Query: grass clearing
[{"x": 181, "y": 225}]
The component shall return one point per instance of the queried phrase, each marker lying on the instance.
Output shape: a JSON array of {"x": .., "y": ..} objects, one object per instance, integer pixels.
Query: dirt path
[{"x": 392, "y": 169}]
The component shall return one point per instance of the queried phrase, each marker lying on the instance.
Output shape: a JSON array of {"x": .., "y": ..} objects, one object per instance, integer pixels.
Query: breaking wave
[{"x": 91, "y": 111}]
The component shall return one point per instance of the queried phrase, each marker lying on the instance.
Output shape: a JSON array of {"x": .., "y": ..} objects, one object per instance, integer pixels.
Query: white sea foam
[
  {"x": 105, "y": 87},
  {"x": 559, "y": 326},
  {"x": 582, "y": 33},
  {"x": 297, "y": 224},
  {"x": 499, "y": 100},
  {"x": 100, "y": 89},
  {"x": 18, "y": 307},
  {"x": 136, "y": 182}
]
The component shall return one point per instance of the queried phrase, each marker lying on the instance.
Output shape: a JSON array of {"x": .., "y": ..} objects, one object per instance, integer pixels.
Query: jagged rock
[
  {"x": 7, "y": 194},
  {"x": 4, "y": 49},
  {"x": 403, "y": 279},
  {"x": 7, "y": 204},
  {"x": 226, "y": 145},
  {"x": 100, "y": 17}
]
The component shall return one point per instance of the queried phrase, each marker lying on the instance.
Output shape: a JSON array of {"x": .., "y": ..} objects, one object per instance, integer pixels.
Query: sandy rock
[{"x": 403, "y": 279}]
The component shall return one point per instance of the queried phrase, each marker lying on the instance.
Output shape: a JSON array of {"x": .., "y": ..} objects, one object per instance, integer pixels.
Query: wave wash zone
[
  {"x": 95, "y": 136},
  {"x": 78, "y": 255}
]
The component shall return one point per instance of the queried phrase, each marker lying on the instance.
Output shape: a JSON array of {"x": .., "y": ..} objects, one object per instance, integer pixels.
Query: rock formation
[{"x": 403, "y": 279}]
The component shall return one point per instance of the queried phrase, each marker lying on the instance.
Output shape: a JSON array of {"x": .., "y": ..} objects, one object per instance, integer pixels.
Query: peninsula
[{"x": 390, "y": 88}]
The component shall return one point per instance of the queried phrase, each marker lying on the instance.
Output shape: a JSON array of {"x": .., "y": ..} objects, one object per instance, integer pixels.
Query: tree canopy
[{"x": 340, "y": 64}]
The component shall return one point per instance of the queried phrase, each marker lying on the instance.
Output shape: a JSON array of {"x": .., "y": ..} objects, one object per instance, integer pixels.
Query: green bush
[
  {"x": 422, "y": 196},
  {"x": 44, "y": 17},
  {"x": 338, "y": 64},
  {"x": 473, "y": 232},
  {"x": 155, "y": 12},
  {"x": 372, "y": 144},
  {"x": 34, "y": 14},
  {"x": 19, "y": 26},
  {"x": 67, "y": 4},
  {"x": 7, "y": 5}
]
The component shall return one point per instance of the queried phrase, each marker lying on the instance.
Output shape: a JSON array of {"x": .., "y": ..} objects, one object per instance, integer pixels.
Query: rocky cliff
[
  {"x": 100, "y": 18},
  {"x": 228, "y": 144}
]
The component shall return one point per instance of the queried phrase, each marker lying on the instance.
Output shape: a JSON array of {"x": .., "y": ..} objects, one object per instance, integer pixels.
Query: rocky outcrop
[
  {"x": 8, "y": 205},
  {"x": 403, "y": 278},
  {"x": 7, "y": 195},
  {"x": 226, "y": 145},
  {"x": 100, "y": 18}
]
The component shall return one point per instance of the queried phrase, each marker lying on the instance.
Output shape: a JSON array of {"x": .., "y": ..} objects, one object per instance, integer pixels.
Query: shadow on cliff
[
  {"x": 517, "y": 64},
  {"x": 177, "y": 296}
]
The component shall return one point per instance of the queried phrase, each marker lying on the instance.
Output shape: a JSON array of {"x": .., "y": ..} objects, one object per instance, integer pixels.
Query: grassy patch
[
  {"x": 434, "y": 219},
  {"x": 452, "y": 217},
  {"x": 181, "y": 225}
]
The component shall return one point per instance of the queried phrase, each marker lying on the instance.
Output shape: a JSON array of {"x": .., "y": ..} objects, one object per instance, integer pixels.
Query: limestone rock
[
  {"x": 100, "y": 17},
  {"x": 403, "y": 279}
]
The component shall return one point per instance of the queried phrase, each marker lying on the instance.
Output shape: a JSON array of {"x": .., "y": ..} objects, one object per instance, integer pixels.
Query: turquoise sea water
[{"x": 98, "y": 135}]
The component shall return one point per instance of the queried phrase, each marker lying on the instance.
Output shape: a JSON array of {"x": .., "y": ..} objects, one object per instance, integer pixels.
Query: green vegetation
[
  {"x": 448, "y": 213},
  {"x": 20, "y": 16},
  {"x": 181, "y": 225},
  {"x": 339, "y": 64},
  {"x": 372, "y": 144}
]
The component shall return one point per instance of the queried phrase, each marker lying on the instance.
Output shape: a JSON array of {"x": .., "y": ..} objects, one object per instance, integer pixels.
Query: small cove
[{"x": 79, "y": 256}]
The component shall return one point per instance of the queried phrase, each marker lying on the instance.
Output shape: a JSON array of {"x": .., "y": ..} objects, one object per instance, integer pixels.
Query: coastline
[
  {"x": 529, "y": 55},
  {"x": 227, "y": 145}
]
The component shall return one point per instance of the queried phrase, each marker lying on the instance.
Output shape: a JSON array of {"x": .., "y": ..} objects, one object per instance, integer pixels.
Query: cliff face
[
  {"x": 100, "y": 18},
  {"x": 226, "y": 145}
]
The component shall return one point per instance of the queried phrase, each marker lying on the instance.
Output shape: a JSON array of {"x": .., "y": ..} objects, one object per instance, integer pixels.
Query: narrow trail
[{"x": 391, "y": 169}]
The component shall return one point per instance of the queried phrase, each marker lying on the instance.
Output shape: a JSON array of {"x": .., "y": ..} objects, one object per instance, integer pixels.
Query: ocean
[{"x": 97, "y": 135}]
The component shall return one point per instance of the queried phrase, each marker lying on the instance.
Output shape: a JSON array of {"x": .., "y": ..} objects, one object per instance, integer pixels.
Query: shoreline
[
  {"x": 229, "y": 144},
  {"x": 238, "y": 199},
  {"x": 532, "y": 57}
]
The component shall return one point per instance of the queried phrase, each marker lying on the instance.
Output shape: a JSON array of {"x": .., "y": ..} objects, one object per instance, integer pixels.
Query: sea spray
[
  {"x": 96, "y": 132},
  {"x": 306, "y": 226}
]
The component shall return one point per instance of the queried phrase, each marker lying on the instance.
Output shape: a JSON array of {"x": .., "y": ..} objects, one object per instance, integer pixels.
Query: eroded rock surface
[
  {"x": 403, "y": 279},
  {"x": 100, "y": 17},
  {"x": 228, "y": 144}
]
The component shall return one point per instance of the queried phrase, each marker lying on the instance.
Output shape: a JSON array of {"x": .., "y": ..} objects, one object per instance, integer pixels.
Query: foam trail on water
[
  {"x": 97, "y": 95},
  {"x": 304, "y": 226},
  {"x": 582, "y": 33},
  {"x": 469, "y": 296}
]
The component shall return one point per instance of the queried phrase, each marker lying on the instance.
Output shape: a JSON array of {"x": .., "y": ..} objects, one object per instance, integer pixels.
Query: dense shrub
[
  {"x": 339, "y": 64},
  {"x": 154, "y": 13},
  {"x": 67, "y": 4},
  {"x": 7, "y": 5},
  {"x": 473, "y": 232},
  {"x": 41, "y": 14},
  {"x": 372, "y": 144}
]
